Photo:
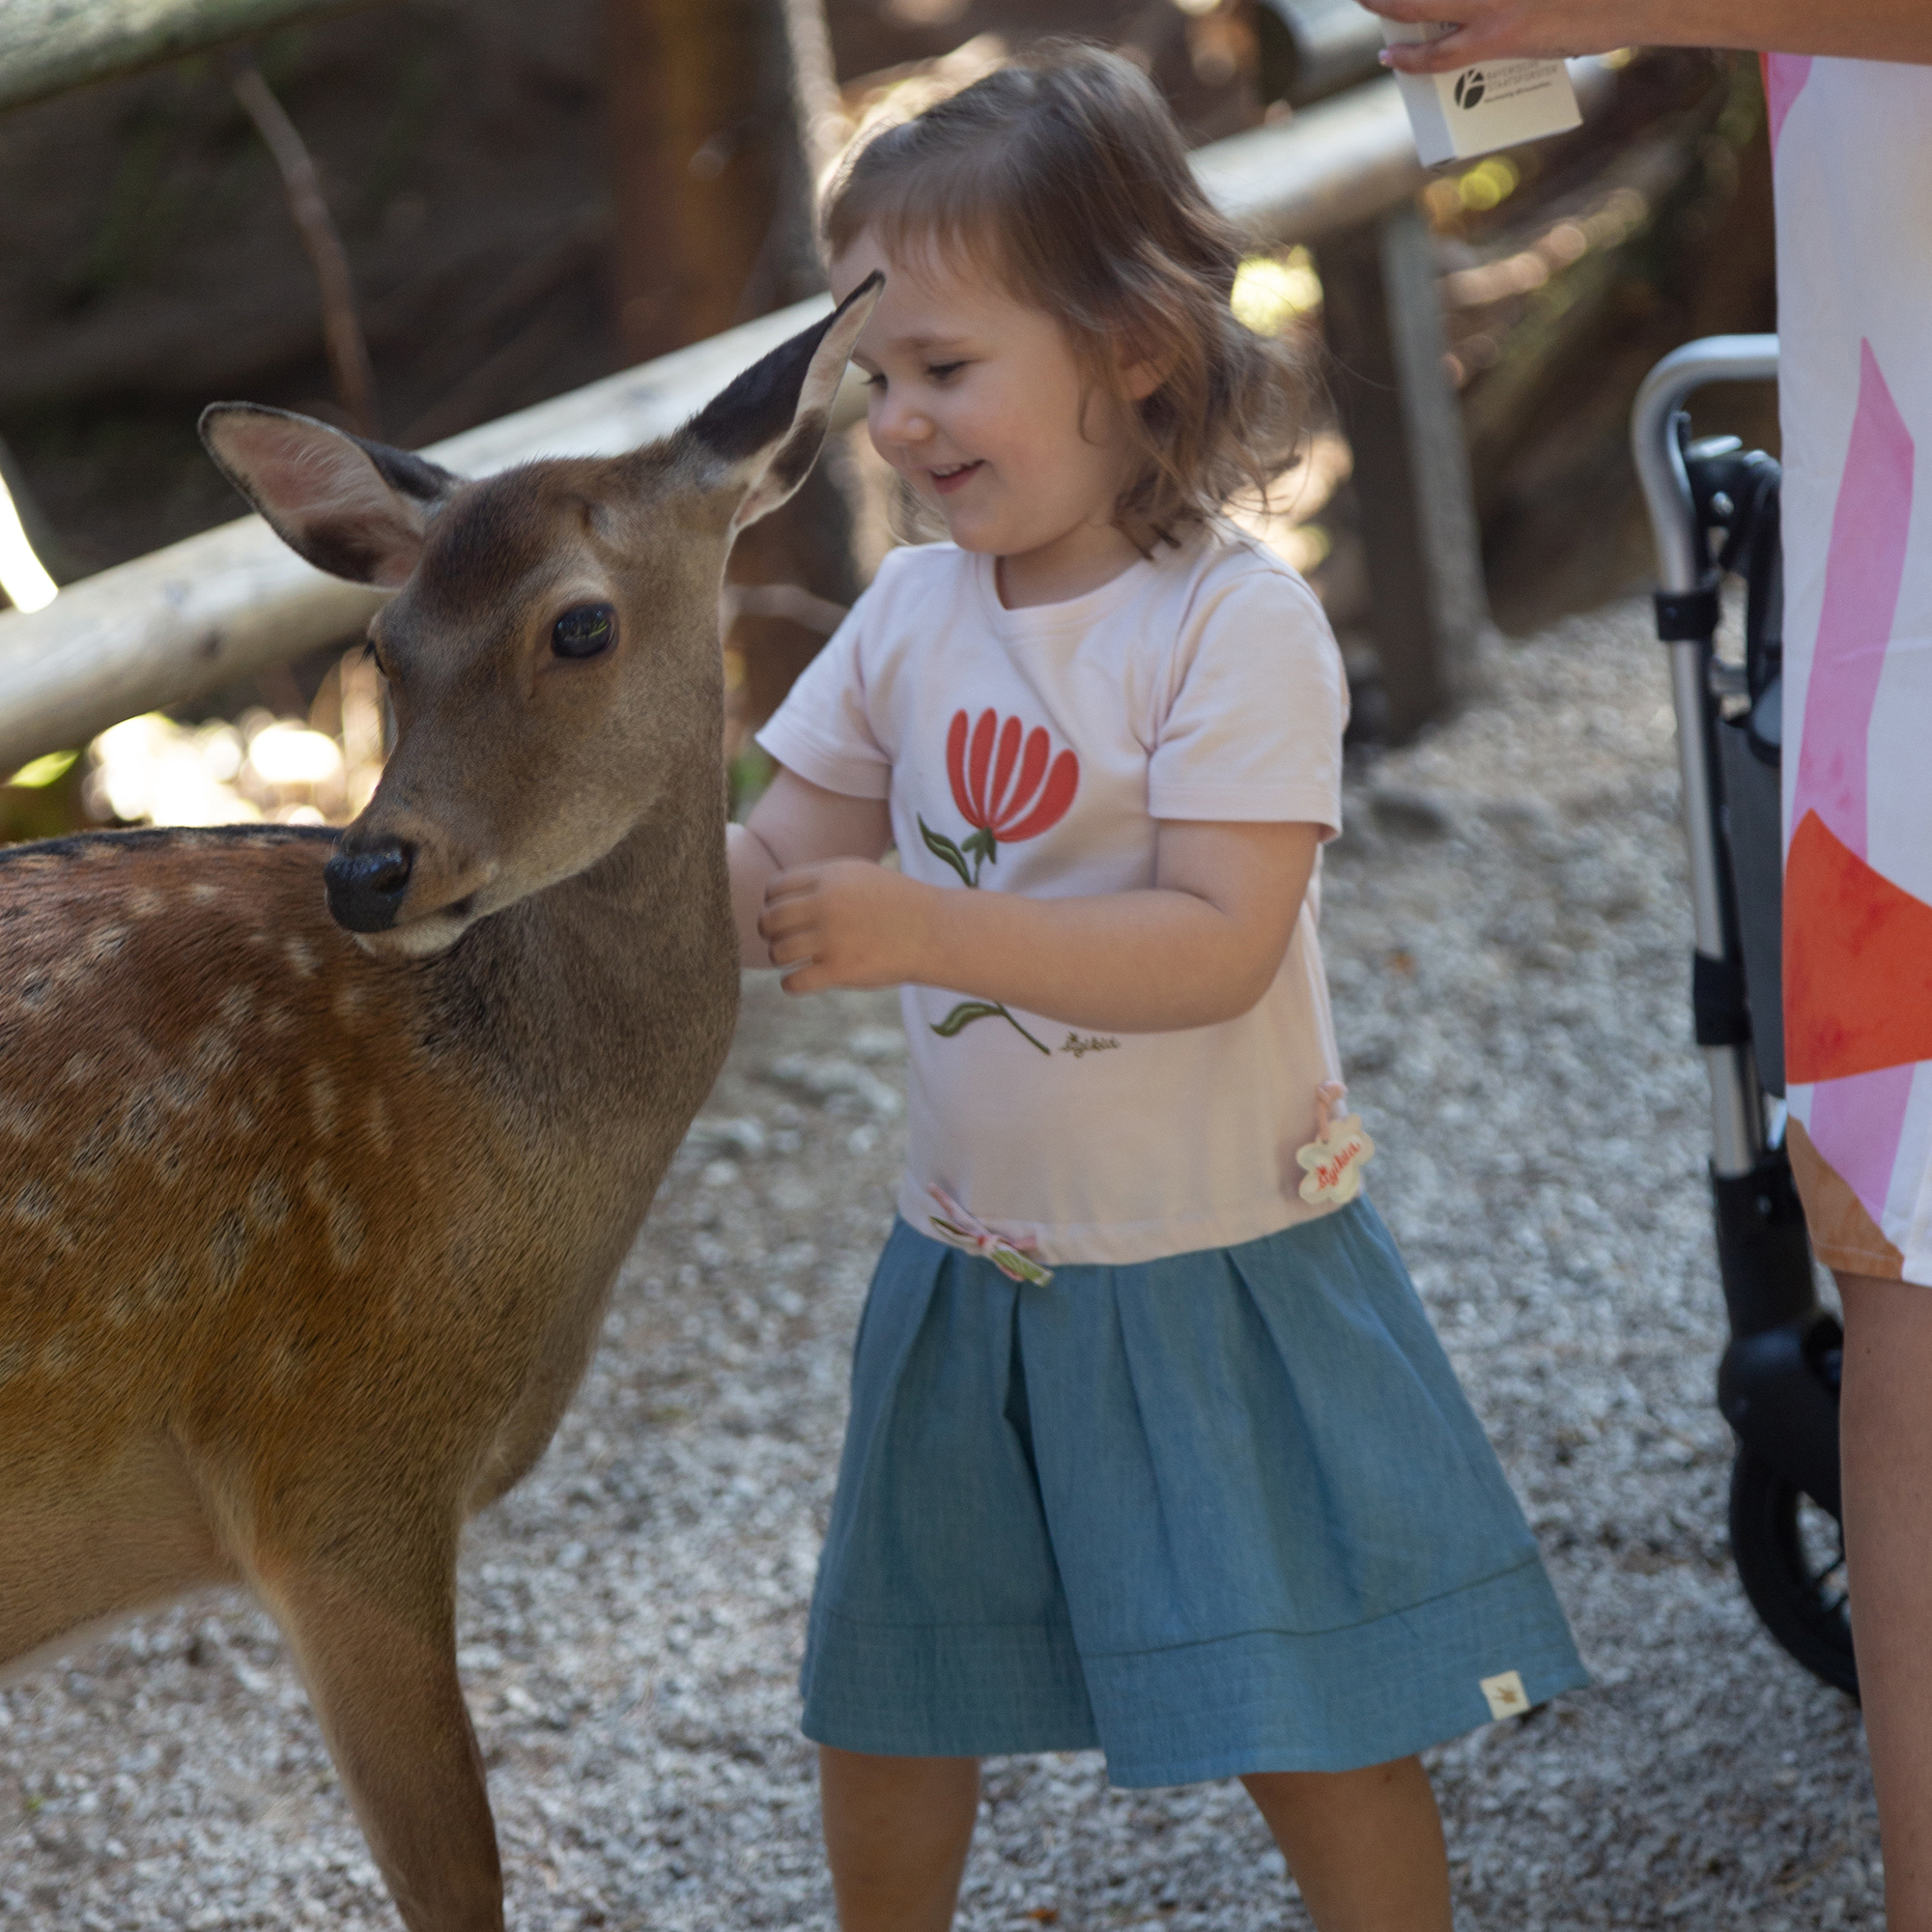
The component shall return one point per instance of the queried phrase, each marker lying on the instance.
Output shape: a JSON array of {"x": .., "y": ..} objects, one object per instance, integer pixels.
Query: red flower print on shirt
[
  {"x": 997, "y": 811},
  {"x": 1008, "y": 787}
]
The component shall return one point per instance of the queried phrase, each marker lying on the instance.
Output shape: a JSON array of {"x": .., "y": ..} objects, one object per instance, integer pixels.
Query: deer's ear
[
  {"x": 352, "y": 508},
  {"x": 765, "y": 429}
]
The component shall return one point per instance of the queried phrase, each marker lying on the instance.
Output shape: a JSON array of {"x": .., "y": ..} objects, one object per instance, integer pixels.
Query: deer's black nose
[{"x": 365, "y": 889}]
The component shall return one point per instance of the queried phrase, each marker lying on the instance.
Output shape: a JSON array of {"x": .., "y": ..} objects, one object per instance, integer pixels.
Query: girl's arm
[
  {"x": 795, "y": 823},
  {"x": 1882, "y": 30},
  {"x": 1199, "y": 947}
]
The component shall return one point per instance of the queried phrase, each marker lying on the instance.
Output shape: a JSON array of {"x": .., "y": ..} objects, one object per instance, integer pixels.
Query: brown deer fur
[{"x": 305, "y": 1233}]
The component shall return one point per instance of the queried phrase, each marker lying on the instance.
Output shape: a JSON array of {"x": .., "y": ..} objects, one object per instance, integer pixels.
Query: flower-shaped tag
[{"x": 1337, "y": 1155}]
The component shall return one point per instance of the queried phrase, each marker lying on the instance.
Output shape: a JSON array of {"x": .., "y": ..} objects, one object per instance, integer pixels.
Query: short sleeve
[
  {"x": 1253, "y": 729},
  {"x": 822, "y": 731}
]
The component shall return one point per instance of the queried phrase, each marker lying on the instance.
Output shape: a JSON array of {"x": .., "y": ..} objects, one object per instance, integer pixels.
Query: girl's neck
[{"x": 1084, "y": 558}]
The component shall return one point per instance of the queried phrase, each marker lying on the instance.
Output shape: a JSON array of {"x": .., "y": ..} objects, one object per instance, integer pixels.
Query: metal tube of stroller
[{"x": 1737, "y": 1133}]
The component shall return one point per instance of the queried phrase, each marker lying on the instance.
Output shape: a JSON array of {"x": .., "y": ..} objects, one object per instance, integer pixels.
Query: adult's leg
[
  {"x": 1885, "y": 1434},
  {"x": 896, "y": 1830},
  {"x": 1365, "y": 1846}
]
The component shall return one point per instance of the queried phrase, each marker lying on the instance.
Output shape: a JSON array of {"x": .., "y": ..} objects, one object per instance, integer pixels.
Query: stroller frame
[{"x": 1777, "y": 1385}]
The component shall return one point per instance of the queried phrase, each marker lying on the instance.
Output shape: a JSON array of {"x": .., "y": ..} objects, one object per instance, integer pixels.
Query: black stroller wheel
[{"x": 1790, "y": 1556}]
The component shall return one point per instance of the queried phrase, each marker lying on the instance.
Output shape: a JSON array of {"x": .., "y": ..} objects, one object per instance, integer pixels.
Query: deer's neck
[{"x": 605, "y": 1005}]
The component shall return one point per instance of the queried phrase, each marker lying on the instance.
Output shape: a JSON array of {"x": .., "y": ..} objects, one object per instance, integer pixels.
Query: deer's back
[{"x": 253, "y": 1184}]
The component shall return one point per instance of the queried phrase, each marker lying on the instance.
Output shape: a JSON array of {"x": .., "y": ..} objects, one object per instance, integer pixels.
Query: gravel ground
[{"x": 1506, "y": 930}]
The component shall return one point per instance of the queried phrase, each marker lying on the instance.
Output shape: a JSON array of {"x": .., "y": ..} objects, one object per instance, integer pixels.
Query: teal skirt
[{"x": 1226, "y": 1512}]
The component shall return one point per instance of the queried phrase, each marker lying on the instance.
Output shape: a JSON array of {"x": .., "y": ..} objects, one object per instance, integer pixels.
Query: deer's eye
[{"x": 584, "y": 631}]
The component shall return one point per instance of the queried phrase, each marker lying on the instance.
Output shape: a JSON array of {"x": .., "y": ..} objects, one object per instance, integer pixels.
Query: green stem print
[{"x": 982, "y": 847}]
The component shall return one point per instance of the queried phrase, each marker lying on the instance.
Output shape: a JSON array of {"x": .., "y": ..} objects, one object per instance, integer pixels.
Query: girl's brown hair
[{"x": 1064, "y": 177}]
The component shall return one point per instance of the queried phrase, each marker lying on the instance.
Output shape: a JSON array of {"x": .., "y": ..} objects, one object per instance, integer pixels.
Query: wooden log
[
  {"x": 166, "y": 629},
  {"x": 48, "y": 46}
]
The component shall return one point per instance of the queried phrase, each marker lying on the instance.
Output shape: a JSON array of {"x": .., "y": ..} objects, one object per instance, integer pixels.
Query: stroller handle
[
  {"x": 1659, "y": 461},
  {"x": 1685, "y": 572}
]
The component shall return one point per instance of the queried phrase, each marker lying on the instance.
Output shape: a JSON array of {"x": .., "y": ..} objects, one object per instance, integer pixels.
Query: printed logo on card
[
  {"x": 1470, "y": 87},
  {"x": 1506, "y": 1694}
]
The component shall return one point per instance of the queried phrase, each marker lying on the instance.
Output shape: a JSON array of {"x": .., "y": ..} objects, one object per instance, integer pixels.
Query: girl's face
[{"x": 977, "y": 400}]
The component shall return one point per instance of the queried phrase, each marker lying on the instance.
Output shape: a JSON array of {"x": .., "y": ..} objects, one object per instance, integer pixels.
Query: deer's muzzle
[{"x": 367, "y": 889}]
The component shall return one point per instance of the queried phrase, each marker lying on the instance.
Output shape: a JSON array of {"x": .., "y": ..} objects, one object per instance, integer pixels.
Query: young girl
[{"x": 1151, "y": 1446}]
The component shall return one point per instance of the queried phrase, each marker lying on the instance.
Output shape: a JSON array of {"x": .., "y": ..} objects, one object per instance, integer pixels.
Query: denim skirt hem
[
  {"x": 1213, "y": 1514},
  {"x": 1260, "y": 1700}
]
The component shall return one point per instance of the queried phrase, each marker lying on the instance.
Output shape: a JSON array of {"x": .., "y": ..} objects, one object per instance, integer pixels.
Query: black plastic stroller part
[
  {"x": 1773, "y": 1391},
  {"x": 1752, "y": 817},
  {"x": 1790, "y": 1558},
  {"x": 1777, "y": 1385}
]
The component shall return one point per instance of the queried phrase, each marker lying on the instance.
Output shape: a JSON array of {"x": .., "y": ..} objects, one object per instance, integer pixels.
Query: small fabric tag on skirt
[{"x": 1506, "y": 1694}]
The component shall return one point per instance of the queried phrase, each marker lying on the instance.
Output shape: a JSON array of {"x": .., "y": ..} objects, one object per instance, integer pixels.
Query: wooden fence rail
[
  {"x": 166, "y": 629},
  {"x": 48, "y": 46}
]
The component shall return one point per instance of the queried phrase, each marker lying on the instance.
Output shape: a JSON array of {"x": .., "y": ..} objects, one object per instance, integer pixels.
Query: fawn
[{"x": 319, "y": 1157}]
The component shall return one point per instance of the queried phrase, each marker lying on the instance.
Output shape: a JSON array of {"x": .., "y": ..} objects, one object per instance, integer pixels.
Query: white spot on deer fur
[
  {"x": 78, "y": 1071},
  {"x": 165, "y": 1282},
  {"x": 141, "y": 1123},
  {"x": 34, "y": 1205},
  {"x": 214, "y": 1050},
  {"x": 342, "y": 1217},
  {"x": 237, "y": 1004},
  {"x": 123, "y": 1303},
  {"x": 144, "y": 902},
  {"x": 345, "y": 1232},
  {"x": 300, "y": 955},
  {"x": 204, "y": 890},
  {"x": 227, "y": 1249},
  {"x": 348, "y": 999},
  {"x": 180, "y": 1092},
  {"x": 277, "y": 1020},
  {"x": 322, "y": 1100},
  {"x": 106, "y": 941},
  {"x": 18, "y": 1120},
  {"x": 13, "y": 1360},
  {"x": 57, "y": 1356},
  {"x": 269, "y": 1201}
]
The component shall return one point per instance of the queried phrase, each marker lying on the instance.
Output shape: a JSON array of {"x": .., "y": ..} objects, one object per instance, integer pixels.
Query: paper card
[{"x": 1475, "y": 110}]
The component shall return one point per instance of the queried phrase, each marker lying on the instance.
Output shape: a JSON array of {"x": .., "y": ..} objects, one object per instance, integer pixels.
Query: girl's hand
[
  {"x": 845, "y": 923},
  {"x": 1513, "y": 30}
]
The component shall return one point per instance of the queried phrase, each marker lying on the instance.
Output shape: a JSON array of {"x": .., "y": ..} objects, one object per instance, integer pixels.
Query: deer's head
[{"x": 552, "y": 647}]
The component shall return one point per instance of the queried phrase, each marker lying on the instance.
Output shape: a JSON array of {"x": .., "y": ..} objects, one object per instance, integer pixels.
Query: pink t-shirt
[{"x": 1032, "y": 752}]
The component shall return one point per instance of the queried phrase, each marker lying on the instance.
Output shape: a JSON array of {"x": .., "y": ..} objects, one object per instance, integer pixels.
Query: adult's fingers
[
  {"x": 1462, "y": 48},
  {"x": 1423, "y": 13}
]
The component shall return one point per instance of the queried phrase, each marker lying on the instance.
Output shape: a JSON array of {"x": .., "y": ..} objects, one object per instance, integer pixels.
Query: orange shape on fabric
[{"x": 1858, "y": 962}]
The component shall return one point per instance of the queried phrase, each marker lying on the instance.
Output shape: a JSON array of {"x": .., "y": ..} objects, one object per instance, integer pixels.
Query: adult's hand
[
  {"x": 1508, "y": 30},
  {"x": 1884, "y": 30}
]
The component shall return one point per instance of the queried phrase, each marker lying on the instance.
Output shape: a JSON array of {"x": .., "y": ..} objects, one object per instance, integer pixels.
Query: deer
[{"x": 320, "y": 1154}]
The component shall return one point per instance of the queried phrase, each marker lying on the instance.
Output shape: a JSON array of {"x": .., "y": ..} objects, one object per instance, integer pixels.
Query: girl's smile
[{"x": 979, "y": 403}]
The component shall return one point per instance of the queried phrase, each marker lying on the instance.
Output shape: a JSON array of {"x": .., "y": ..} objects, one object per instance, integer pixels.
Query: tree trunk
[{"x": 714, "y": 227}]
